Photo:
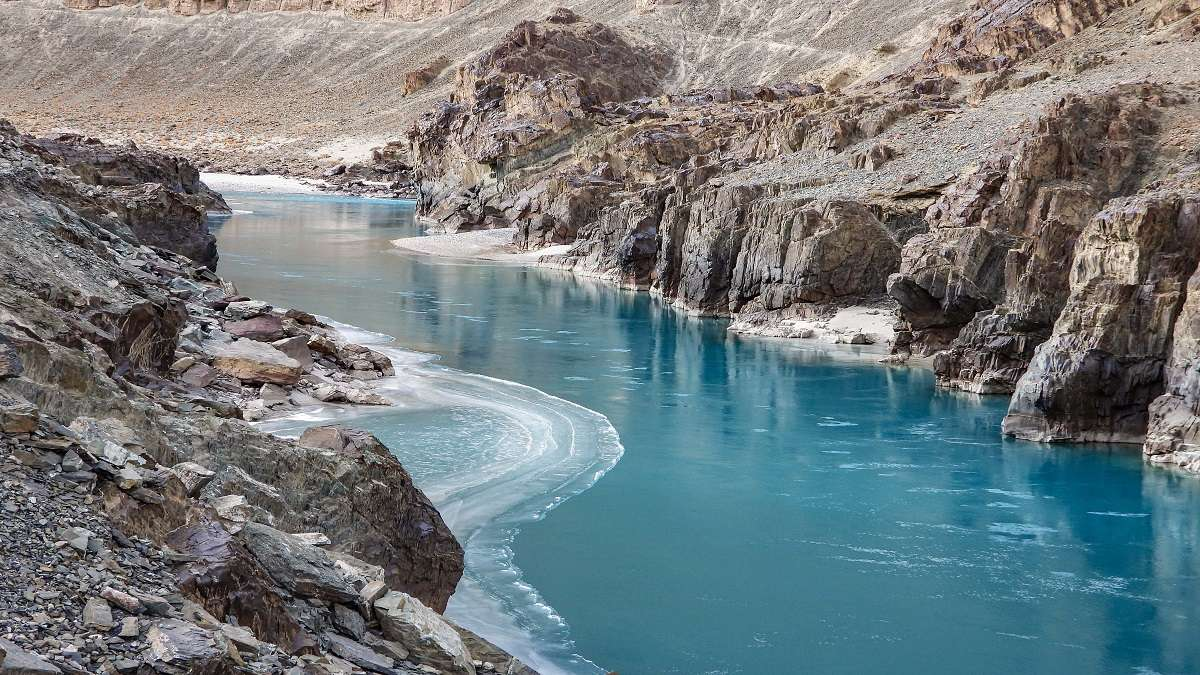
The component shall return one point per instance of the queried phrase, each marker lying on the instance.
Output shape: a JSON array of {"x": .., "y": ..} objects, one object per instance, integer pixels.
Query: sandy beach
[
  {"x": 480, "y": 245},
  {"x": 858, "y": 324},
  {"x": 265, "y": 184}
]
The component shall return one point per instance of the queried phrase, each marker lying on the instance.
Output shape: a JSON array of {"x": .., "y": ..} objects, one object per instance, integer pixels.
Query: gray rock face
[
  {"x": 360, "y": 655},
  {"x": 997, "y": 33},
  {"x": 161, "y": 197},
  {"x": 242, "y": 310},
  {"x": 524, "y": 99},
  {"x": 493, "y": 658},
  {"x": 990, "y": 277},
  {"x": 228, "y": 581},
  {"x": 349, "y": 483},
  {"x": 96, "y": 613},
  {"x": 186, "y": 648},
  {"x": 749, "y": 250},
  {"x": 1174, "y": 427},
  {"x": 193, "y": 476},
  {"x": 233, "y": 480},
  {"x": 297, "y": 348},
  {"x": 1096, "y": 376},
  {"x": 729, "y": 250}
]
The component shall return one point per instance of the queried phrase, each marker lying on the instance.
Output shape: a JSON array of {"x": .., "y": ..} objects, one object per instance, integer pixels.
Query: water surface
[{"x": 779, "y": 507}]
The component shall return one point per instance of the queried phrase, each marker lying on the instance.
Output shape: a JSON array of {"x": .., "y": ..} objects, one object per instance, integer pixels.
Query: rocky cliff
[
  {"x": 991, "y": 275},
  {"x": 148, "y": 528},
  {"x": 982, "y": 196},
  {"x": 157, "y": 199},
  {"x": 1097, "y": 375}
]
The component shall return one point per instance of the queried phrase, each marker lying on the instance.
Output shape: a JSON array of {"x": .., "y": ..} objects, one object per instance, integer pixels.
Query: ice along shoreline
[{"x": 557, "y": 449}]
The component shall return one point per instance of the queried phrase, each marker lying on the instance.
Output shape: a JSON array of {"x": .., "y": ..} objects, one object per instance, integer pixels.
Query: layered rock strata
[
  {"x": 988, "y": 280},
  {"x": 1103, "y": 367},
  {"x": 157, "y": 198}
]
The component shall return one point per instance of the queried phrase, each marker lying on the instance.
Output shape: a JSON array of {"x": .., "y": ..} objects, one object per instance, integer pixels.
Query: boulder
[
  {"x": 226, "y": 580},
  {"x": 265, "y": 328},
  {"x": 251, "y": 361},
  {"x": 240, "y": 310},
  {"x": 429, "y": 638},
  {"x": 297, "y": 348},
  {"x": 97, "y": 614},
  {"x": 17, "y": 661},
  {"x": 121, "y": 599},
  {"x": 359, "y": 654},
  {"x": 193, "y": 476},
  {"x": 301, "y": 568},
  {"x": 188, "y": 648},
  {"x": 349, "y": 622},
  {"x": 199, "y": 375}
]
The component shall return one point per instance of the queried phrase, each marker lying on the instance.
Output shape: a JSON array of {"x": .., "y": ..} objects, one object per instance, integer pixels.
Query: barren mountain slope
[{"x": 273, "y": 90}]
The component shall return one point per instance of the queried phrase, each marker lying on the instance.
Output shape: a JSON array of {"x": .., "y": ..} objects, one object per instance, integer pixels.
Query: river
[{"x": 780, "y": 506}]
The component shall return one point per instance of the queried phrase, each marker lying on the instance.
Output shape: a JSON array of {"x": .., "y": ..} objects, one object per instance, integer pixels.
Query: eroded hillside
[{"x": 275, "y": 90}]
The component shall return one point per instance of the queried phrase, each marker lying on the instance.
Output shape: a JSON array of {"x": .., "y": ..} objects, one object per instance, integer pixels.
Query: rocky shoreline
[
  {"x": 1022, "y": 207},
  {"x": 148, "y": 527}
]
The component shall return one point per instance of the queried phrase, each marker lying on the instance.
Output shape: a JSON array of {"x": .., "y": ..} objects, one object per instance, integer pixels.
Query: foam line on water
[{"x": 553, "y": 451}]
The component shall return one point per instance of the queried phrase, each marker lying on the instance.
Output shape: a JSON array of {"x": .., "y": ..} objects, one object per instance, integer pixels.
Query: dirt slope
[{"x": 275, "y": 90}]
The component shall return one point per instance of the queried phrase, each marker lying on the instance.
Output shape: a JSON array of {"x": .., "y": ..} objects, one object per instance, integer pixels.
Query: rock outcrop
[
  {"x": 1097, "y": 375},
  {"x": 790, "y": 208},
  {"x": 159, "y": 72},
  {"x": 990, "y": 277},
  {"x": 207, "y": 545},
  {"x": 994, "y": 34},
  {"x": 651, "y": 191},
  {"x": 159, "y": 197},
  {"x": 507, "y": 116}
]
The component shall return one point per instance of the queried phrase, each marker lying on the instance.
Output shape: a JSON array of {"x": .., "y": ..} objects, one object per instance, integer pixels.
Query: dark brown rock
[
  {"x": 227, "y": 580},
  {"x": 266, "y": 328}
]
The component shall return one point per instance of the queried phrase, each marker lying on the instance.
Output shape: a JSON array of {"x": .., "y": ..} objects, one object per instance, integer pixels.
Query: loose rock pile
[{"x": 147, "y": 527}]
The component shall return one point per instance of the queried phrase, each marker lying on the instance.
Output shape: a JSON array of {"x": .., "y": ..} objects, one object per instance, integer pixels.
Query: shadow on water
[{"x": 779, "y": 507}]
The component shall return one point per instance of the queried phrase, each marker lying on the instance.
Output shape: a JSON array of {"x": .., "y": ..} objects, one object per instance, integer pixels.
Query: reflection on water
[{"x": 779, "y": 508}]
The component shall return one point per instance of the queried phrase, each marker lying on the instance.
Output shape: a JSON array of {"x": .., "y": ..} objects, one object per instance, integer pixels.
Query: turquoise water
[{"x": 779, "y": 508}]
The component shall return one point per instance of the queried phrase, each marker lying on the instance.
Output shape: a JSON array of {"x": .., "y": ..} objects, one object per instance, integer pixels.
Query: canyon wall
[{"x": 1018, "y": 205}]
